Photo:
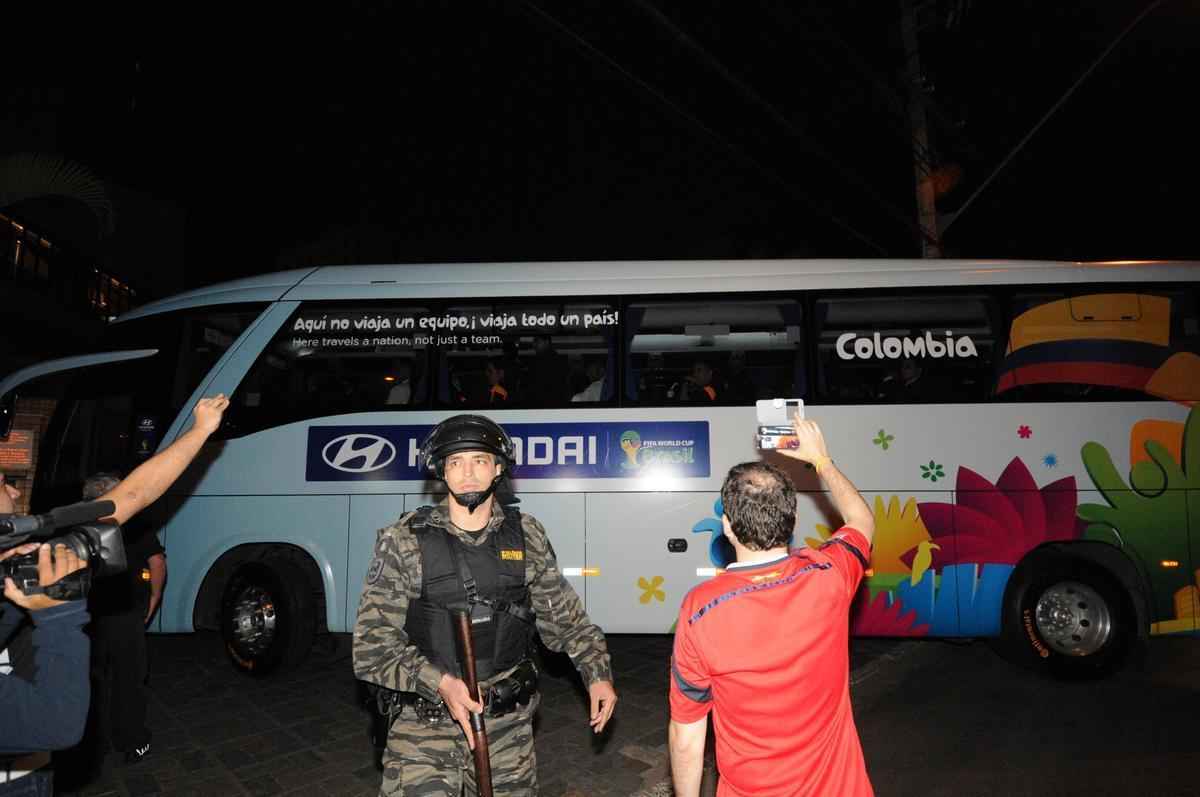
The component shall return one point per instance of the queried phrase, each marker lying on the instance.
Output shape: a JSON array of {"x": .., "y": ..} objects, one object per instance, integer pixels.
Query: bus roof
[{"x": 624, "y": 277}]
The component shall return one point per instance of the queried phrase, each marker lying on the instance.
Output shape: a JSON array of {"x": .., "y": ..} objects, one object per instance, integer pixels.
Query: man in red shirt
[{"x": 765, "y": 646}]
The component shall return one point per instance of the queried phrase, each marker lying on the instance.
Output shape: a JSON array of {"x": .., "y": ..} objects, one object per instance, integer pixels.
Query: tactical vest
[{"x": 493, "y": 574}]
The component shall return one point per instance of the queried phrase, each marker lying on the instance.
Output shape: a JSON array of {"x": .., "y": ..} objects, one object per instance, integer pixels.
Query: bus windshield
[{"x": 111, "y": 417}]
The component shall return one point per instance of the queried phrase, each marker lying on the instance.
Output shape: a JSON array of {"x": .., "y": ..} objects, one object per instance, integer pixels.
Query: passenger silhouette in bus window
[
  {"x": 739, "y": 384},
  {"x": 546, "y": 383},
  {"x": 454, "y": 379},
  {"x": 700, "y": 386},
  {"x": 400, "y": 393},
  {"x": 497, "y": 391},
  {"x": 910, "y": 383},
  {"x": 594, "y": 390},
  {"x": 654, "y": 383}
]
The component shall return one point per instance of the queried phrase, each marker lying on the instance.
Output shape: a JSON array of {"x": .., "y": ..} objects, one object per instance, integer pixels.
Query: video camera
[{"x": 100, "y": 545}]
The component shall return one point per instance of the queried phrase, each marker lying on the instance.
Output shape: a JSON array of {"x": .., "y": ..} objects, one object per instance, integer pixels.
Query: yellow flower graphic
[
  {"x": 896, "y": 531},
  {"x": 650, "y": 589}
]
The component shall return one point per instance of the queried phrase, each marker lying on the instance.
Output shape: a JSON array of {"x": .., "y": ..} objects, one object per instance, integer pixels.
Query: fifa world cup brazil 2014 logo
[{"x": 631, "y": 443}]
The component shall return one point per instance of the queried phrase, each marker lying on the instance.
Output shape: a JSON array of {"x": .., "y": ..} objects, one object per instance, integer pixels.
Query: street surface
[{"x": 935, "y": 718}]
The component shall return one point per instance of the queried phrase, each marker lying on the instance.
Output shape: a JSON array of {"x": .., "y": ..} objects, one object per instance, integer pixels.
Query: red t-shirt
[{"x": 766, "y": 649}]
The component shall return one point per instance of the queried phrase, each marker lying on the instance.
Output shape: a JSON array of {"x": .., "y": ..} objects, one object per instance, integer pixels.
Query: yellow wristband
[{"x": 820, "y": 463}]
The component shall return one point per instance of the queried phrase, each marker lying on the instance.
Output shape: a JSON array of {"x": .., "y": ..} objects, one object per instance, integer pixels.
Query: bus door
[{"x": 642, "y": 557}]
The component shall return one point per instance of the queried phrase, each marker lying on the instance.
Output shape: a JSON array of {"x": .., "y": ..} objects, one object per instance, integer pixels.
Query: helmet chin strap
[{"x": 472, "y": 500}]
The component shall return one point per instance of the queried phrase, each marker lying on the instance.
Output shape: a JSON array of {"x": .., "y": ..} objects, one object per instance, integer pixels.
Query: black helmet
[{"x": 465, "y": 433}]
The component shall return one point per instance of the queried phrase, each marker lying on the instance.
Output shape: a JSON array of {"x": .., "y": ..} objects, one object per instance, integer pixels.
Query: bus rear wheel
[
  {"x": 1068, "y": 617},
  {"x": 267, "y": 617}
]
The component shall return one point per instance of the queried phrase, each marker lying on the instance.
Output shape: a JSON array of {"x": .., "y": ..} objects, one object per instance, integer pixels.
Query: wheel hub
[
  {"x": 253, "y": 620},
  {"x": 1073, "y": 619}
]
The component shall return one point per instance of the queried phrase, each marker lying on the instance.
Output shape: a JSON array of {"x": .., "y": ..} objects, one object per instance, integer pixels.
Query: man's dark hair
[{"x": 760, "y": 502}]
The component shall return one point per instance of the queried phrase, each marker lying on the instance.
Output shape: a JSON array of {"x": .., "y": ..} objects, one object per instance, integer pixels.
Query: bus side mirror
[{"x": 8, "y": 413}]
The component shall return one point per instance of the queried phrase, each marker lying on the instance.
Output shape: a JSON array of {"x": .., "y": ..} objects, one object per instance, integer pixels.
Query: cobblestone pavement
[{"x": 217, "y": 732}]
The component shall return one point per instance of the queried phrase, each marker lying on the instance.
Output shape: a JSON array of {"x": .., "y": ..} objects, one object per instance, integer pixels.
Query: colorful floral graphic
[
  {"x": 999, "y": 523},
  {"x": 650, "y": 589},
  {"x": 896, "y": 531},
  {"x": 1150, "y": 514},
  {"x": 958, "y": 577},
  {"x": 964, "y": 600},
  {"x": 883, "y": 439},
  {"x": 1050, "y": 461},
  {"x": 883, "y": 615},
  {"x": 1024, "y": 432},
  {"x": 932, "y": 471}
]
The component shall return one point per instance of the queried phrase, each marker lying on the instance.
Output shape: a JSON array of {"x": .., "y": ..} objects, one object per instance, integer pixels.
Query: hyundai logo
[{"x": 358, "y": 453}]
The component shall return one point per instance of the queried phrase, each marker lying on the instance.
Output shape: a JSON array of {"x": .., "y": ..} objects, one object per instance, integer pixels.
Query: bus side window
[
  {"x": 334, "y": 358},
  {"x": 724, "y": 352},
  {"x": 545, "y": 353},
  {"x": 905, "y": 349}
]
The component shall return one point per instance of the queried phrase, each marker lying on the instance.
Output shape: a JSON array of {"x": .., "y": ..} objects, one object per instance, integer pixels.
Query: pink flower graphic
[
  {"x": 877, "y": 618},
  {"x": 999, "y": 523},
  {"x": 1024, "y": 432}
]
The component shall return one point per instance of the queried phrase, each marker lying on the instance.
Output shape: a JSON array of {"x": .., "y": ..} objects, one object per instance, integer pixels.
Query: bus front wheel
[
  {"x": 267, "y": 616},
  {"x": 1068, "y": 617}
]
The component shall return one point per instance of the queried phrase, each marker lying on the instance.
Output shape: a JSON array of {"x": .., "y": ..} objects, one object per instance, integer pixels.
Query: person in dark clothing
[
  {"x": 654, "y": 384},
  {"x": 909, "y": 384},
  {"x": 700, "y": 386},
  {"x": 497, "y": 392},
  {"x": 43, "y": 683},
  {"x": 739, "y": 385},
  {"x": 121, "y": 606},
  {"x": 546, "y": 383}
]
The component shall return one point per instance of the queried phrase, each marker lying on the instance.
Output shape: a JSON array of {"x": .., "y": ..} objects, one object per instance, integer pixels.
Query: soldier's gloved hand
[{"x": 461, "y": 704}]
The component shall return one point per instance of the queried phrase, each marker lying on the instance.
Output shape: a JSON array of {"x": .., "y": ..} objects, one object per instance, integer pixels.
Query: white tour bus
[{"x": 1020, "y": 428}]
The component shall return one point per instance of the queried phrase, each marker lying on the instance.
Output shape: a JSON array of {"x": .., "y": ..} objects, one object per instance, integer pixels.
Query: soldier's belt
[{"x": 503, "y": 696}]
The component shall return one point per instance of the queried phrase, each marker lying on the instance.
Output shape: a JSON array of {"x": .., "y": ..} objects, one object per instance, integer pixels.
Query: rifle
[{"x": 466, "y": 649}]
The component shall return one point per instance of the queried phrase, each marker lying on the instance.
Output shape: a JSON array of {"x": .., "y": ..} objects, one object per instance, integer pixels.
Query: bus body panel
[
  {"x": 638, "y": 583},
  {"x": 620, "y": 527}
]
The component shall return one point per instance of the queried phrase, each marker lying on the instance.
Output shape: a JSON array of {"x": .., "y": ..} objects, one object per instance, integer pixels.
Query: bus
[{"x": 1024, "y": 432}]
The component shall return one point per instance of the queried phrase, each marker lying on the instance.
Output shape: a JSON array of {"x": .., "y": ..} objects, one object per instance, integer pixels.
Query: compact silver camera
[{"x": 775, "y": 422}]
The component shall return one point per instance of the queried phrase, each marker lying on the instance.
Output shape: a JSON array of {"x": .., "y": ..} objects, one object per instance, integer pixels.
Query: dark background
[{"x": 235, "y": 139}]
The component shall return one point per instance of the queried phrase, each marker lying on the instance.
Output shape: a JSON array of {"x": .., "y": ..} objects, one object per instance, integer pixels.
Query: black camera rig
[{"x": 99, "y": 545}]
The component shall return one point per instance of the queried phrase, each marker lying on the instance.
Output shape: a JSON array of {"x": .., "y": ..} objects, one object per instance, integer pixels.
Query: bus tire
[
  {"x": 267, "y": 616},
  {"x": 1068, "y": 617}
]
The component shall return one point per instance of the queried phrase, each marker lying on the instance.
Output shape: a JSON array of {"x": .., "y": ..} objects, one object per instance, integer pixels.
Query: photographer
[
  {"x": 779, "y": 693},
  {"x": 121, "y": 606},
  {"x": 59, "y": 688},
  {"x": 44, "y": 693}
]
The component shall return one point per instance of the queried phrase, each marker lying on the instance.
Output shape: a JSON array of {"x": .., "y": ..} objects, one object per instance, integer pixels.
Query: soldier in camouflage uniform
[{"x": 400, "y": 640}]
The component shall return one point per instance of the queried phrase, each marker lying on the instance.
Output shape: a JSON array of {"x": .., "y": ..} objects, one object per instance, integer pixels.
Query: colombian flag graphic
[{"x": 1113, "y": 339}]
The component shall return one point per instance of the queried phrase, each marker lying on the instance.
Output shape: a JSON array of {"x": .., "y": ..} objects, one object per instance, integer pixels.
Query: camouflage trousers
[{"x": 433, "y": 760}]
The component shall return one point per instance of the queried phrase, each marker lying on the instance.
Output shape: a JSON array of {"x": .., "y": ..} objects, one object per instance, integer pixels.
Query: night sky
[{"x": 426, "y": 131}]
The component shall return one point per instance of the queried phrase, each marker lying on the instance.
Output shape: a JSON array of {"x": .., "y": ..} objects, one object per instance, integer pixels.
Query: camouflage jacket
[{"x": 382, "y": 652}]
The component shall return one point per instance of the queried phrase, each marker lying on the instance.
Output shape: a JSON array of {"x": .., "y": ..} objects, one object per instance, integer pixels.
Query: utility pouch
[{"x": 515, "y": 690}]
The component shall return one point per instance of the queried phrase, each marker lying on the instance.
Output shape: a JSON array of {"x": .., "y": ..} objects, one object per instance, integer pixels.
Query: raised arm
[
  {"x": 150, "y": 480},
  {"x": 846, "y": 499}
]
